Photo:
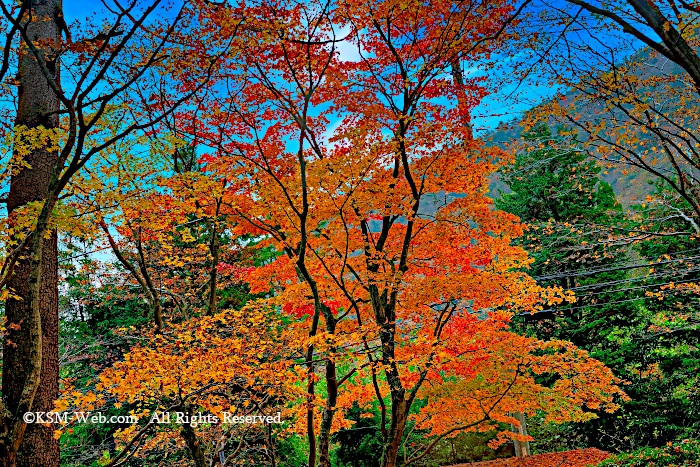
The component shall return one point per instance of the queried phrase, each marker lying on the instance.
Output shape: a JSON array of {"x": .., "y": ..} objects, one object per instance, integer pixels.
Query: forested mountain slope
[{"x": 630, "y": 184}]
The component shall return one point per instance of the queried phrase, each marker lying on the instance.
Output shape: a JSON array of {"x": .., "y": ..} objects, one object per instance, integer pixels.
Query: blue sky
[
  {"x": 80, "y": 10},
  {"x": 493, "y": 110}
]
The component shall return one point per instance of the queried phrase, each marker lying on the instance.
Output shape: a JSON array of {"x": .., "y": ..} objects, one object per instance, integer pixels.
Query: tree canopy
[{"x": 277, "y": 233}]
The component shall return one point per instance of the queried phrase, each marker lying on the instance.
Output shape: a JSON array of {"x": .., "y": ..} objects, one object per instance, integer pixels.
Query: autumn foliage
[
  {"x": 579, "y": 458},
  {"x": 384, "y": 290},
  {"x": 311, "y": 232}
]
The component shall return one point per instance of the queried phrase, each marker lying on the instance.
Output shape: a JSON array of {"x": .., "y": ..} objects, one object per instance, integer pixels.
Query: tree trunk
[
  {"x": 328, "y": 413},
  {"x": 214, "y": 247},
  {"x": 399, "y": 418},
  {"x": 193, "y": 444},
  {"x": 37, "y": 107},
  {"x": 522, "y": 448}
]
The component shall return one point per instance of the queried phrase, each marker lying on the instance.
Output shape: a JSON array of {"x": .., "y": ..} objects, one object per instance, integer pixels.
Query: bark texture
[
  {"x": 37, "y": 107},
  {"x": 193, "y": 444}
]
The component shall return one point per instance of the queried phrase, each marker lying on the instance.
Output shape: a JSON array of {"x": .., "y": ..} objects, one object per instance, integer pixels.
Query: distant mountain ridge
[{"x": 630, "y": 184}]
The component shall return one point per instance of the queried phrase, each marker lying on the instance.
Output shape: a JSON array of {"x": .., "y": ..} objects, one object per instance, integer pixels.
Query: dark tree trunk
[
  {"x": 36, "y": 108},
  {"x": 328, "y": 413},
  {"x": 214, "y": 247},
  {"x": 399, "y": 418},
  {"x": 193, "y": 443}
]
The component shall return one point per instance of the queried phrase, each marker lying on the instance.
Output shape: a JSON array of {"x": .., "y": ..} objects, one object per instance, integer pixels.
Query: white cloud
[{"x": 347, "y": 50}]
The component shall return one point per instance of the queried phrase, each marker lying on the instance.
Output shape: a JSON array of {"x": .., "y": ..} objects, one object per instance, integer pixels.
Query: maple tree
[
  {"x": 382, "y": 309},
  {"x": 61, "y": 125},
  {"x": 238, "y": 147},
  {"x": 170, "y": 236},
  {"x": 671, "y": 23},
  {"x": 233, "y": 361}
]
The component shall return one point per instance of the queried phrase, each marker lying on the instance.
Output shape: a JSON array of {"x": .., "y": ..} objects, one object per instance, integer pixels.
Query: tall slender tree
[{"x": 30, "y": 376}]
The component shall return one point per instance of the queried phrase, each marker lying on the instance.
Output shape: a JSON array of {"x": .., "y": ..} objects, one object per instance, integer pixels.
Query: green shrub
[{"x": 684, "y": 453}]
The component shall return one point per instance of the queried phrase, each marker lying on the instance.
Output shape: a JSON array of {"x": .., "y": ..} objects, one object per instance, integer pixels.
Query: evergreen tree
[{"x": 579, "y": 239}]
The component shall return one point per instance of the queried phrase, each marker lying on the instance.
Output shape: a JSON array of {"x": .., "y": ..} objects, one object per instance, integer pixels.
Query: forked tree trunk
[{"x": 37, "y": 107}]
